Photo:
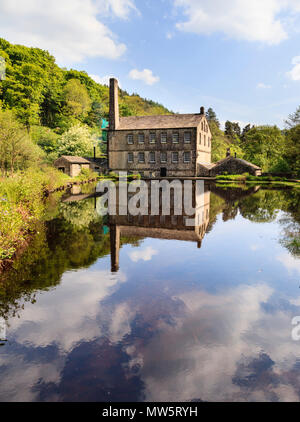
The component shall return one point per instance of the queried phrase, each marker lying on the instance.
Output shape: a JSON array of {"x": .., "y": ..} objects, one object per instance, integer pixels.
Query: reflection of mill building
[
  {"x": 157, "y": 146},
  {"x": 170, "y": 227}
]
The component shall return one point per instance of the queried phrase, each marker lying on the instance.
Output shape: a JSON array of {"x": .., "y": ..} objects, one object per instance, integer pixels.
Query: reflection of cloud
[
  {"x": 68, "y": 317},
  {"x": 143, "y": 254},
  {"x": 120, "y": 322},
  {"x": 20, "y": 376},
  {"x": 200, "y": 356},
  {"x": 291, "y": 264},
  {"x": 60, "y": 318}
]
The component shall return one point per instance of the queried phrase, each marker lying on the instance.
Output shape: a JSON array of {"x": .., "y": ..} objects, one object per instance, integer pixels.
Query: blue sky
[{"x": 241, "y": 58}]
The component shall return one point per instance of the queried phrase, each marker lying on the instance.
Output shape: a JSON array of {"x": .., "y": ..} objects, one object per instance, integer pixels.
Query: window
[
  {"x": 141, "y": 157},
  {"x": 163, "y": 157},
  {"x": 163, "y": 138},
  {"x": 61, "y": 169},
  {"x": 187, "y": 137},
  {"x": 174, "y": 157},
  {"x": 187, "y": 157},
  {"x": 130, "y": 139},
  {"x": 152, "y": 138},
  {"x": 204, "y": 140},
  {"x": 141, "y": 138},
  {"x": 175, "y": 137},
  {"x": 130, "y": 157},
  {"x": 208, "y": 142},
  {"x": 200, "y": 138},
  {"x": 152, "y": 157}
]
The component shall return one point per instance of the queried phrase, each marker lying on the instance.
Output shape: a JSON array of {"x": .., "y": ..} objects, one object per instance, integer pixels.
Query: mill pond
[{"x": 121, "y": 308}]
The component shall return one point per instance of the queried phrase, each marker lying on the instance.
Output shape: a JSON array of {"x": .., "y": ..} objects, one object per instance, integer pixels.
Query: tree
[
  {"x": 77, "y": 99},
  {"x": 245, "y": 131},
  {"x": 16, "y": 149},
  {"x": 293, "y": 148},
  {"x": 293, "y": 119},
  {"x": 212, "y": 117},
  {"x": 264, "y": 146},
  {"x": 232, "y": 129},
  {"x": 78, "y": 140},
  {"x": 220, "y": 143}
]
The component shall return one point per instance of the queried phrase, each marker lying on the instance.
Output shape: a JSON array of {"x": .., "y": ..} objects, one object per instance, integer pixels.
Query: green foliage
[
  {"x": 16, "y": 149},
  {"x": 220, "y": 143},
  {"x": 77, "y": 100},
  {"x": 78, "y": 140},
  {"x": 43, "y": 94},
  {"x": 232, "y": 130},
  {"x": 281, "y": 166},
  {"x": 45, "y": 138},
  {"x": 293, "y": 149},
  {"x": 264, "y": 146},
  {"x": 87, "y": 174},
  {"x": 293, "y": 119},
  {"x": 212, "y": 117},
  {"x": 21, "y": 205}
]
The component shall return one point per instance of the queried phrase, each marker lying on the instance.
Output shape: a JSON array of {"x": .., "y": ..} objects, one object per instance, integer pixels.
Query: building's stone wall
[
  {"x": 119, "y": 149},
  {"x": 204, "y": 140}
]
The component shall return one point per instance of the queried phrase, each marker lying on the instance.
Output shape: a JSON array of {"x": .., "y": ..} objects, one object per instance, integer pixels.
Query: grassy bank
[
  {"x": 22, "y": 206},
  {"x": 261, "y": 180}
]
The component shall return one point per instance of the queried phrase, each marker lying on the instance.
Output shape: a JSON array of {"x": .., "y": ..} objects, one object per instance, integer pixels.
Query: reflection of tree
[
  {"x": 79, "y": 214},
  {"x": 72, "y": 240},
  {"x": 262, "y": 207},
  {"x": 291, "y": 222}
]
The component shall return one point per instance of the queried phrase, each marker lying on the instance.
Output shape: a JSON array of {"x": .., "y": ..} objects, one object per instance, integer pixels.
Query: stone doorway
[{"x": 163, "y": 172}]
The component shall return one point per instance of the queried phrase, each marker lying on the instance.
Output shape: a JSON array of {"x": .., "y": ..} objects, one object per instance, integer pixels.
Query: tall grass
[{"x": 22, "y": 205}]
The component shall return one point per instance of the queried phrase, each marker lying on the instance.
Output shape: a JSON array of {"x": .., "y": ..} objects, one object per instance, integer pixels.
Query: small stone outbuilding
[
  {"x": 234, "y": 165},
  {"x": 229, "y": 165},
  {"x": 72, "y": 165}
]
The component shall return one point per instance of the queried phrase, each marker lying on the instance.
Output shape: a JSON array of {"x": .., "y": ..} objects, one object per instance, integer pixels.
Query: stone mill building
[{"x": 174, "y": 145}]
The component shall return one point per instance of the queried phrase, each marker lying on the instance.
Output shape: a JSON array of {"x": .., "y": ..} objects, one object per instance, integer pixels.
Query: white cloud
[
  {"x": 120, "y": 8},
  {"x": 294, "y": 74},
  {"x": 261, "y": 85},
  {"x": 68, "y": 29},
  {"x": 104, "y": 80},
  {"x": 254, "y": 20},
  {"x": 143, "y": 254},
  {"x": 145, "y": 75}
]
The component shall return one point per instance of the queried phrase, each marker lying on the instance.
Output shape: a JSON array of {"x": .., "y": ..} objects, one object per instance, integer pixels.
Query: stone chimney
[
  {"x": 202, "y": 111},
  {"x": 114, "y": 118}
]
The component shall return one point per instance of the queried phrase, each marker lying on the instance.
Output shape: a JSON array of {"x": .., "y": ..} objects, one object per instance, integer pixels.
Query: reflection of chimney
[
  {"x": 199, "y": 244},
  {"x": 114, "y": 247},
  {"x": 94, "y": 153},
  {"x": 113, "y": 104}
]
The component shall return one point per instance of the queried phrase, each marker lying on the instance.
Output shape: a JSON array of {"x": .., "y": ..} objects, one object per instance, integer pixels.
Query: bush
[
  {"x": 21, "y": 205},
  {"x": 281, "y": 167}
]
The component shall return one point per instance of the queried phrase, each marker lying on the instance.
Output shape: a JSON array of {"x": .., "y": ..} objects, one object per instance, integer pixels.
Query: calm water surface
[{"x": 140, "y": 309}]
